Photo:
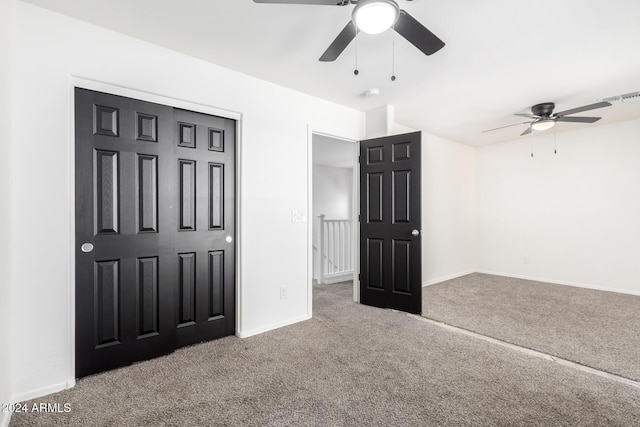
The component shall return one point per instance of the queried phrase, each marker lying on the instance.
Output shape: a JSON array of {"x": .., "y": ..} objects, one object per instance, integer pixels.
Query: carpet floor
[
  {"x": 594, "y": 328},
  {"x": 350, "y": 365}
]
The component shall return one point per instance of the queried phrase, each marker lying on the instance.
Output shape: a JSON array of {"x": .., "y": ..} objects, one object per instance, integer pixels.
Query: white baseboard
[
  {"x": 5, "y": 418},
  {"x": 561, "y": 282},
  {"x": 337, "y": 278},
  {"x": 445, "y": 278},
  {"x": 251, "y": 332},
  {"x": 44, "y": 391}
]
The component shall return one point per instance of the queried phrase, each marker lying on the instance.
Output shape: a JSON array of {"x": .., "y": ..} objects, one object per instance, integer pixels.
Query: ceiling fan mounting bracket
[{"x": 545, "y": 109}]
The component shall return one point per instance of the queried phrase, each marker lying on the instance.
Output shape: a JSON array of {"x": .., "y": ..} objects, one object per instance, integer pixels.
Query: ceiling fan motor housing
[{"x": 545, "y": 109}]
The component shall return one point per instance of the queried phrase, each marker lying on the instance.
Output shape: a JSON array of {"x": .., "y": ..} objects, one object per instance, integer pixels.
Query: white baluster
[
  {"x": 335, "y": 249},
  {"x": 342, "y": 251}
]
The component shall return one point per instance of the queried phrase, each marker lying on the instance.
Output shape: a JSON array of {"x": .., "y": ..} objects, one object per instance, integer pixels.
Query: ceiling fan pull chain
[
  {"x": 393, "y": 53},
  {"x": 356, "y": 72},
  {"x": 555, "y": 141},
  {"x": 531, "y": 139}
]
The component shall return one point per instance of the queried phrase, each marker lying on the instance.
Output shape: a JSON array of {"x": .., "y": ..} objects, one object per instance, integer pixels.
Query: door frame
[
  {"x": 355, "y": 211},
  {"x": 84, "y": 83}
]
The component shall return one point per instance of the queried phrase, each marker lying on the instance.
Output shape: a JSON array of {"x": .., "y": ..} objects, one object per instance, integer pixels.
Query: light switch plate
[{"x": 298, "y": 216}]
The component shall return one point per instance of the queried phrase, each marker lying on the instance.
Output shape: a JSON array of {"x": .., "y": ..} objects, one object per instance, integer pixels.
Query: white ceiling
[{"x": 501, "y": 56}]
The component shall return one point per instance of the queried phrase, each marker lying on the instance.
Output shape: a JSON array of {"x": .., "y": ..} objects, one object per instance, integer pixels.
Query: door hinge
[
  {"x": 358, "y": 277},
  {"x": 358, "y": 217}
]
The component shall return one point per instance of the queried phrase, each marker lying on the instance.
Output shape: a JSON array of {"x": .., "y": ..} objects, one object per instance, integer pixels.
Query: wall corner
[{"x": 7, "y": 49}]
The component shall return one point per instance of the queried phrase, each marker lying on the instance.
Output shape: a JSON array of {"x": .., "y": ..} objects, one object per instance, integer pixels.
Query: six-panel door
[{"x": 390, "y": 241}]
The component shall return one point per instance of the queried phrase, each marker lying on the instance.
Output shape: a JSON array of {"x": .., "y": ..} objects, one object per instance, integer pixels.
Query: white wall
[
  {"x": 332, "y": 188},
  {"x": 448, "y": 209},
  {"x": 378, "y": 121},
  {"x": 50, "y": 49},
  {"x": 7, "y": 21},
  {"x": 381, "y": 122},
  {"x": 575, "y": 215}
]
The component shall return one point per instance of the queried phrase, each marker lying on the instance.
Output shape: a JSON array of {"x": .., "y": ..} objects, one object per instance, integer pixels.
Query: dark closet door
[
  {"x": 390, "y": 241},
  {"x": 205, "y": 238},
  {"x": 139, "y": 192}
]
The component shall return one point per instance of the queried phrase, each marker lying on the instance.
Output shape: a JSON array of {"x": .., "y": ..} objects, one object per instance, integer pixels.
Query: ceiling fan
[
  {"x": 544, "y": 118},
  {"x": 373, "y": 17}
]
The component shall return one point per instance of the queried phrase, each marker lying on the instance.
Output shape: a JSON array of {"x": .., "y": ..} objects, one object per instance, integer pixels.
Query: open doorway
[{"x": 334, "y": 211}]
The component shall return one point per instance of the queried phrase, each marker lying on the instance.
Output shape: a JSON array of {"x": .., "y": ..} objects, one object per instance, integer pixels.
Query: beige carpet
[
  {"x": 594, "y": 328},
  {"x": 351, "y": 365}
]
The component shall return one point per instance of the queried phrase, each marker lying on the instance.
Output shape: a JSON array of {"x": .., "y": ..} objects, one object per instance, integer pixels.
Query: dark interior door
[
  {"x": 155, "y": 191},
  {"x": 390, "y": 241}
]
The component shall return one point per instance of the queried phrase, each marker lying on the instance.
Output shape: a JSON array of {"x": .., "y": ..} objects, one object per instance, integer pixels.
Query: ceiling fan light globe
[
  {"x": 375, "y": 17},
  {"x": 543, "y": 124}
]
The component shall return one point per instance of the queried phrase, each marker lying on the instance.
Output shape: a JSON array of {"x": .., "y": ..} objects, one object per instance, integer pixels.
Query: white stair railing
[{"x": 335, "y": 250}]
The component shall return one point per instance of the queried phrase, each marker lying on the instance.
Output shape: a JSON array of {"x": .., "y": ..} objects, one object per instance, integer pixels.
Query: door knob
[
  {"x": 86, "y": 247},
  {"x": 415, "y": 233}
]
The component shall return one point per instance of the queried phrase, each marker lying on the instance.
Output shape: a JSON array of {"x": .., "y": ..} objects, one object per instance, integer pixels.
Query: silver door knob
[
  {"x": 415, "y": 233},
  {"x": 86, "y": 247}
]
